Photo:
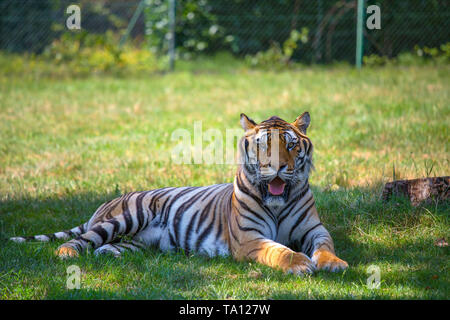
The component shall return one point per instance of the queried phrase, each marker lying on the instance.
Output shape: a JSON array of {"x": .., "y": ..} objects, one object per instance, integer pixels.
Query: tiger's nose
[{"x": 278, "y": 169}]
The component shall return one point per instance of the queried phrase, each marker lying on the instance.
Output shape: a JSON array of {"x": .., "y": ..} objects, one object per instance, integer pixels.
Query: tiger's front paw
[
  {"x": 298, "y": 264},
  {"x": 325, "y": 260},
  {"x": 66, "y": 252}
]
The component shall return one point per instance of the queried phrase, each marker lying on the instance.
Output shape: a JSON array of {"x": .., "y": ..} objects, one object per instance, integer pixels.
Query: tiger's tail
[{"x": 68, "y": 234}]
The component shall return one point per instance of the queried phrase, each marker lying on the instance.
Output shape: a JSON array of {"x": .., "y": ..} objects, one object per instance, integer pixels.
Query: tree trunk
[{"x": 419, "y": 190}]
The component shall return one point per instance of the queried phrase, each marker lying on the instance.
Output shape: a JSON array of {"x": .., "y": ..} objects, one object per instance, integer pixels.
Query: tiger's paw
[
  {"x": 107, "y": 249},
  {"x": 298, "y": 264},
  {"x": 66, "y": 252},
  {"x": 325, "y": 260}
]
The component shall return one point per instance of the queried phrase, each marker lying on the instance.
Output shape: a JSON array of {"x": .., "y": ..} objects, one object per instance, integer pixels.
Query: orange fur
[
  {"x": 327, "y": 260},
  {"x": 66, "y": 252}
]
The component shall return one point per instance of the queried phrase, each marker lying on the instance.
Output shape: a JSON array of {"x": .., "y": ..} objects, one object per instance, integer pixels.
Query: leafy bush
[
  {"x": 279, "y": 56},
  {"x": 82, "y": 54},
  {"x": 85, "y": 53},
  {"x": 419, "y": 56},
  {"x": 438, "y": 55},
  {"x": 375, "y": 60},
  {"x": 196, "y": 30}
]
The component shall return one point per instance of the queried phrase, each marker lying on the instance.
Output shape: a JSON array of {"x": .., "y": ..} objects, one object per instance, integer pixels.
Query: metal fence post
[
  {"x": 359, "y": 33},
  {"x": 171, "y": 35},
  {"x": 132, "y": 23}
]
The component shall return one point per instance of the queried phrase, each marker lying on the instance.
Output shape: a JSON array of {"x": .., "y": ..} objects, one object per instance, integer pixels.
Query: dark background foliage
[{"x": 241, "y": 27}]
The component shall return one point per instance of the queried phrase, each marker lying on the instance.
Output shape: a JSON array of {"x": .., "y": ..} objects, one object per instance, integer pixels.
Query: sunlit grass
[{"x": 68, "y": 145}]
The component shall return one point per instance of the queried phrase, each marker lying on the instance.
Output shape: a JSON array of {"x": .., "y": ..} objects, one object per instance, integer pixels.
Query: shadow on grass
[{"x": 394, "y": 236}]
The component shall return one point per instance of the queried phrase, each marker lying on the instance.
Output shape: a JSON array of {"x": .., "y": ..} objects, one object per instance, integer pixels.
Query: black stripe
[
  {"x": 300, "y": 219},
  {"x": 79, "y": 247},
  {"x": 51, "y": 236},
  {"x": 156, "y": 194},
  {"x": 111, "y": 205},
  {"x": 140, "y": 211},
  {"x": 116, "y": 225},
  {"x": 178, "y": 214},
  {"x": 165, "y": 213},
  {"x": 173, "y": 199},
  {"x": 127, "y": 216},
  {"x": 114, "y": 246},
  {"x": 138, "y": 244},
  {"x": 172, "y": 240},
  {"x": 293, "y": 203},
  {"x": 205, "y": 212},
  {"x": 188, "y": 231},
  {"x": 219, "y": 230},
  {"x": 246, "y": 208},
  {"x": 208, "y": 230},
  {"x": 202, "y": 236},
  {"x": 120, "y": 245},
  {"x": 233, "y": 235},
  {"x": 309, "y": 145},
  {"x": 211, "y": 190},
  {"x": 246, "y": 229},
  {"x": 302, "y": 240},
  {"x": 247, "y": 192},
  {"x": 106, "y": 210},
  {"x": 128, "y": 221},
  {"x": 312, "y": 243},
  {"x": 81, "y": 238},
  {"x": 101, "y": 232},
  {"x": 252, "y": 220},
  {"x": 305, "y": 145},
  {"x": 254, "y": 250}
]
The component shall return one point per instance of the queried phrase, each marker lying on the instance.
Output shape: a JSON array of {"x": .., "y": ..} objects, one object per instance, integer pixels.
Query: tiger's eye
[{"x": 290, "y": 145}]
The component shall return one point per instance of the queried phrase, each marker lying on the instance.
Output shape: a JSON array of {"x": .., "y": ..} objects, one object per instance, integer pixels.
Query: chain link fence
[{"x": 321, "y": 31}]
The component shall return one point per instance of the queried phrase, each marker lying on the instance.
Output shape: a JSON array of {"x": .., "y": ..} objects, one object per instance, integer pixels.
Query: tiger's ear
[
  {"x": 247, "y": 123},
  {"x": 302, "y": 122}
]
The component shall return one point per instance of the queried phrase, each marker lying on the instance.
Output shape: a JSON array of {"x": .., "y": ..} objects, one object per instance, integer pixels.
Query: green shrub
[
  {"x": 375, "y": 60},
  {"x": 196, "y": 31},
  {"x": 91, "y": 53},
  {"x": 82, "y": 54},
  {"x": 419, "y": 56},
  {"x": 279, "y": 56},
  {"x": 437, "y": 55}
]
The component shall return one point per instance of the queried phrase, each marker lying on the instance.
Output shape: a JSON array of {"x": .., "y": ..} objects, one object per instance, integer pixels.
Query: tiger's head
[{"x": 276, "y": 156}]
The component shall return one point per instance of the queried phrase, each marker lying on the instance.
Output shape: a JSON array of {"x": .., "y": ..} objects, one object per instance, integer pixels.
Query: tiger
[{"x": 267, "y": 214}]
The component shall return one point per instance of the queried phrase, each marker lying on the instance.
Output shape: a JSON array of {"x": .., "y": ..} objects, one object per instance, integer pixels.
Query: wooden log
[{"x": 419, "y": 190}]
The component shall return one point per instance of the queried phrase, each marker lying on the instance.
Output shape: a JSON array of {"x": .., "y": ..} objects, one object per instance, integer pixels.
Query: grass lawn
[{"x": 68, "y": 145}]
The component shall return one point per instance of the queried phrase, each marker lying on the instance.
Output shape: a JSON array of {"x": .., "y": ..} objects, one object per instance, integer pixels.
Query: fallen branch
[{"x": 419, "y": 190}]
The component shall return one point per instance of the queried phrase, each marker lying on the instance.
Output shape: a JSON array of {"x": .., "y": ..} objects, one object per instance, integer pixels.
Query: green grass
[{"x": 68, "y": 145}]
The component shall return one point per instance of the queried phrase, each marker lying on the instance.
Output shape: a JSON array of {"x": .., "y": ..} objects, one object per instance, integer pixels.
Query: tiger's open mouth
[
  {"x": 276, "y": 186},
  {"x": 274, "y": 190}
]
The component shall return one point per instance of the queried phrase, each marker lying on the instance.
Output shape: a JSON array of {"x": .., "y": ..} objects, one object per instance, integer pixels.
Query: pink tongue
[{"x": 276, "y": 186}]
